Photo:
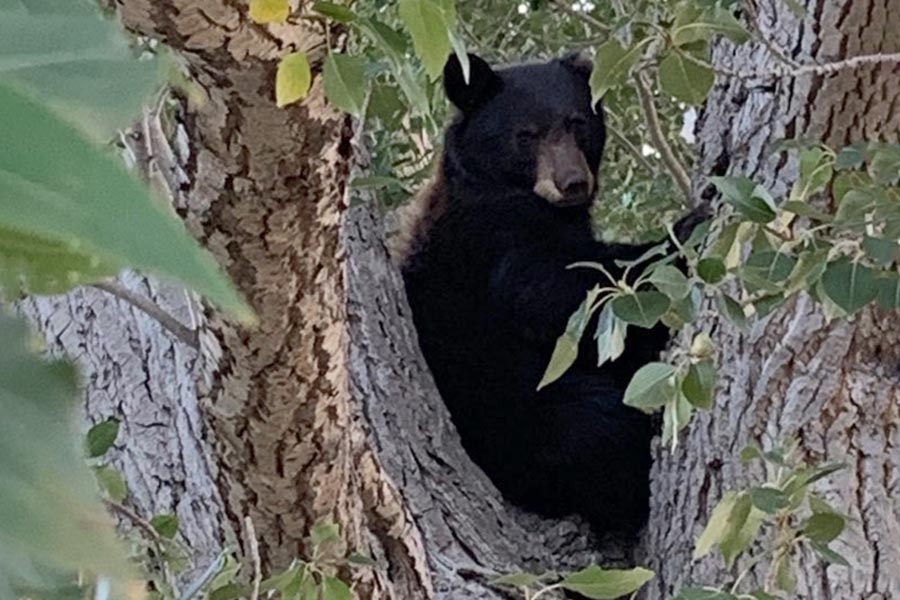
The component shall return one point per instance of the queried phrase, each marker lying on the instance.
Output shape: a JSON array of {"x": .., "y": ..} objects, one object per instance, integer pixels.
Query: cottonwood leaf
[
  {"x": 849, "y": 284},
  {"x": 717, "y": 527},
  {"x": 165, "y": 525},
  {"x": 823, "y": 527},
  {"x": 685, "y": 80},
  {"x": 612, "y": 65},
  {"x": 610, "y": 336},
  {"x": 601, "y": 584},
  {"x": 670, "y": 281},
  {"x": 101, "y": 437},
  {"x": 750, "y": 199},
  {"x": 427, "y": 24},
  {"x": 335, "y": 589},
  {"x": 344, "y": 82},
  {"x": 699, "y": 384},
  {"x": 651, "y": 387},
  {"x": 335, "y": 12},
  {"x": 517, "y": 580},
  {"x": 641, "y": 308},
  {"x": 269, "y": 11},
  {"x": 293, "y": 79}
]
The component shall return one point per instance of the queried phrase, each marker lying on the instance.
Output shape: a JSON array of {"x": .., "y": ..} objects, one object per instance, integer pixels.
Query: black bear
[{"x": 485, "y": 266}]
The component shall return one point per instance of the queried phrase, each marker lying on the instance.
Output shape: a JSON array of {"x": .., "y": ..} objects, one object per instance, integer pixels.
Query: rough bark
[
  {"x": 326, "y": 409},
  {"x": 834, "y": 385}
]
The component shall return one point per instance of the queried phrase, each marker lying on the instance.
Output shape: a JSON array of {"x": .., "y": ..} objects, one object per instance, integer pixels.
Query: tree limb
[
  {"x": 678, "y": 171},
  {"x": 168, "y": 322}
]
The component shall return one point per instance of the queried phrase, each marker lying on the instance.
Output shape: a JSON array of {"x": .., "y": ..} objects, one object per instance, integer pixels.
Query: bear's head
[{"x": 527, "y": 127}]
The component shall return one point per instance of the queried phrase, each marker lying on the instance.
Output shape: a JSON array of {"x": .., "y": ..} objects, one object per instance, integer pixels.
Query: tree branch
[
  {"x": 630, "y": 148},
  {"x": 168, "y": 322},
  {"x": 648, "y": 106}
]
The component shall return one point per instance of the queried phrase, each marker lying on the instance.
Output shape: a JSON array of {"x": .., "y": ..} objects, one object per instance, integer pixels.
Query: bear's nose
[{"x": 574, "y": 185}]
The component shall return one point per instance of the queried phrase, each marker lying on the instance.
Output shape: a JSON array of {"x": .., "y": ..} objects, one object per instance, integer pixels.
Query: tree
[{"x": 326, "y": 411}]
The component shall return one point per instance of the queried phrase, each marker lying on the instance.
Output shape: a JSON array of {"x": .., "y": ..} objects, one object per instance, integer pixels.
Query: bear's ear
[
  {"x": 483, "y": 84},
  {"x": 579, "y": 63}
]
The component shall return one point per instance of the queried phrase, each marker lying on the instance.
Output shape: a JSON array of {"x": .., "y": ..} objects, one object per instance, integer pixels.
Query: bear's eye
[
  {"x": 576, "y": 123},
  {"x": 527, "y": 135}
]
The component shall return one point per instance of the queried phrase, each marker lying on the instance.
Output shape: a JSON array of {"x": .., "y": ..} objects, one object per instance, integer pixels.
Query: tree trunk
[
  {"x": 833, "y": 385},
  {"x": 326, "y": 410}
]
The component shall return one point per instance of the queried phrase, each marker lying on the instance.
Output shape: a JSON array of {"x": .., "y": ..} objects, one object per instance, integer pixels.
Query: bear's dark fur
[{"x": 485, "y": 265}]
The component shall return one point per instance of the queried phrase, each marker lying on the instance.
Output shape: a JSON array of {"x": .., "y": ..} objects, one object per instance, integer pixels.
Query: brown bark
[{"x": 835, "y": 385}]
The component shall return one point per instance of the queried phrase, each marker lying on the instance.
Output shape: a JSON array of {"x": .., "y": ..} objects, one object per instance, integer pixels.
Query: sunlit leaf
[
  {"x": 335, "y": 12},
  {"x": 293, "y": 79},
  {"x": 270, "y": 11}
]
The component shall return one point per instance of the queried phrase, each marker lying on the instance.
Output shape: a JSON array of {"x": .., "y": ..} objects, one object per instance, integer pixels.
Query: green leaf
[
  {"x": 50, "y": 513},
  {"x": 889, "y": 292},
  {"x": 685, "y": 80},
  {"x": 732, "y": 309},
  {"x": 335, "y": 12},
  {"x": 566, "y": 350},
  {"x": 851, "y": 157},
  {"x": 101, "y": 437},
  {"x": 744, "y": 524},
  {"x": 717, "y": 527},
  {"x": 849, "y": 284},
  {"x": 805, "y": 210},
  {"x": 699, "y": 384},
  {"x": 361, "y": 560},
  {"x": 32, "y": 264},
  {"x": 599, "y": 584},
  {"x": 111, "y": 482},
  {"x": 519, "y": 579},
  {"x": 883, "y": 250},
  {"x": 711, "y": 270},
  {"x": 335, "y": 589},
  {"x": 807, "y": 271},
  {"x": 89, "y": 203},
  {"x": 344, "y": 82},
  {"x": 324, "y": 533},
  {"x": 823, "y": 527},
  {"x": 829, "y": 555},
  {"x": 769, "y": 500},
  {"x": 165, "y": 525},
  {"x": 76, "y": 62},
  {"x": 885, "y": 164},
  {"x": 767, "y": 270},
  {"x": 269, "y": 11},
  {"x": 641, "y": 308},
  {"x": 693, "y": 24},
  {"x": 751, "y": 200},
  {"x": 670, "y": 281},
  {"x": 749, "y": 453},
  {"x": 676, "y": 416},
  {"x": 229, "y": 591},
  {"x": 612, "y": 65},
  {"x": 651, "y": 387},
  {"x": 698, "y": 593},
  {"x": 610, "y": 336},
  {"x": 293, "y": 79},
  {"x": 815, "y": 173},
  {"x": 430, "y": 31}
]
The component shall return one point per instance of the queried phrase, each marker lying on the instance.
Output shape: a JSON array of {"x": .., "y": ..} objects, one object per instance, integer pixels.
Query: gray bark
[{"x": 832, "y": 384}]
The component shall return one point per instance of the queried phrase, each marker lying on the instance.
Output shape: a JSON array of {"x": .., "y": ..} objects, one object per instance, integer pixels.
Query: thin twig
[
  {"x": 135, "y": 520},
  {"x": 168, "y": 322},
  {"x": 800, "y": 70},
  {"x": 777, "y": 52},
  {"x": 654, "y": 129},
  {"x": 584, "y": 16},
  {"x": 630, "y": 148},
  {"x": 253, "y": 543}
]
